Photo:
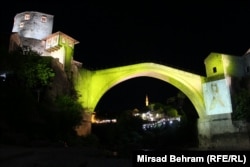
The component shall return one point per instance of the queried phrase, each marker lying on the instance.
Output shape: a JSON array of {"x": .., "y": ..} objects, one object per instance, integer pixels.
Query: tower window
[
  {"x": 63, "y": 40},
  {"x": 214, "y": 70},
  {"x": 71, "y": 44},
  {"x": 21, "y": 25},
  {"x": 26, "y": 16},
  {"x": 44, "y": 19}
]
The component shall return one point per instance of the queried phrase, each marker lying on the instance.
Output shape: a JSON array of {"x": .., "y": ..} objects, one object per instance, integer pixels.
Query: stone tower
[
  {"x": 32, "y": 24},
  {"x": 29, "y": 29},
  {"x": 33, "y": 30}
]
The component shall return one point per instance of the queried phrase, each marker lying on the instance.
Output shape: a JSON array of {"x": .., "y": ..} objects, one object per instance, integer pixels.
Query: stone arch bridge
[{"x": 92, "y": 85}]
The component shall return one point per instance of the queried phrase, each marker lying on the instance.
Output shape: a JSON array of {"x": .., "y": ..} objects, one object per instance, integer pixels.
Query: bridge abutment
[
  {"x": 85, "y": 128},
  {"x": 219, "y": 132}
]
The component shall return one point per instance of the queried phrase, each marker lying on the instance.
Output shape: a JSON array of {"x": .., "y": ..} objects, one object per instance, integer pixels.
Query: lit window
[
  {"x": 63, "y": 40},
  {"x": 214, "y": 70},
  {"x": 44, "y": 19},
  {"x": 21, "y": 25},
  {"x": 71, "y": 44},
  {"x": 26, "y": 16}
]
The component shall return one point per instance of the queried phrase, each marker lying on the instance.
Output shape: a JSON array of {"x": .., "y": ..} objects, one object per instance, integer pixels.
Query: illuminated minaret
[{"x": 146, "y": 101}]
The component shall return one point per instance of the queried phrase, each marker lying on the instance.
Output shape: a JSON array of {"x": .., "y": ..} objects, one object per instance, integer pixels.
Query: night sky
[{"x": 115, "y": 33}]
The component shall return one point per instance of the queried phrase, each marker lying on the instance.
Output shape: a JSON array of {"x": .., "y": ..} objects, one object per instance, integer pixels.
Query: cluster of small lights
[
  {"x": 105, "y": 121},
  {"x": 160, "y": 124},
  {"x": 149, "y": 116}
]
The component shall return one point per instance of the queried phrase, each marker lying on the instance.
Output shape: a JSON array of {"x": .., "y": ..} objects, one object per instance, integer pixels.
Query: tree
[
  {"x": 33, "y": 70},
  {"x": 69, "y": 115},
  {"x": 159, "y": 108},
  {"x": 20, "y": 112},
  {"x": 128, "y": 131},
  {"x": 39, "y": 76},
  {"x": 172, "y": 112}
]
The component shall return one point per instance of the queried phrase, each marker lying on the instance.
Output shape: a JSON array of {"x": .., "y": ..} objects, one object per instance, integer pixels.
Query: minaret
[{"x": 146, "y": 101}]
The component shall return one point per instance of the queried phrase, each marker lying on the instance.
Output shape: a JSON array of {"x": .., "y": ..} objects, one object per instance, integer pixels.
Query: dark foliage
[{"x": 24, "y": 119}]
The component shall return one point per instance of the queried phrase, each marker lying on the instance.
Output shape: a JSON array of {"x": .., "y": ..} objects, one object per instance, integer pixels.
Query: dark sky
[{"x": 114, "y": 33}]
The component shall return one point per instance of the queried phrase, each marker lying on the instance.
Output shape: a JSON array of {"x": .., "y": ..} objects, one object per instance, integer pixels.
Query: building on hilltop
[{"x": 33, "y": 30}]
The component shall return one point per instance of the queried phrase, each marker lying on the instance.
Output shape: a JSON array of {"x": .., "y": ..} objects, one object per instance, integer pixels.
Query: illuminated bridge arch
[{"x": 92, "y": 85}]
